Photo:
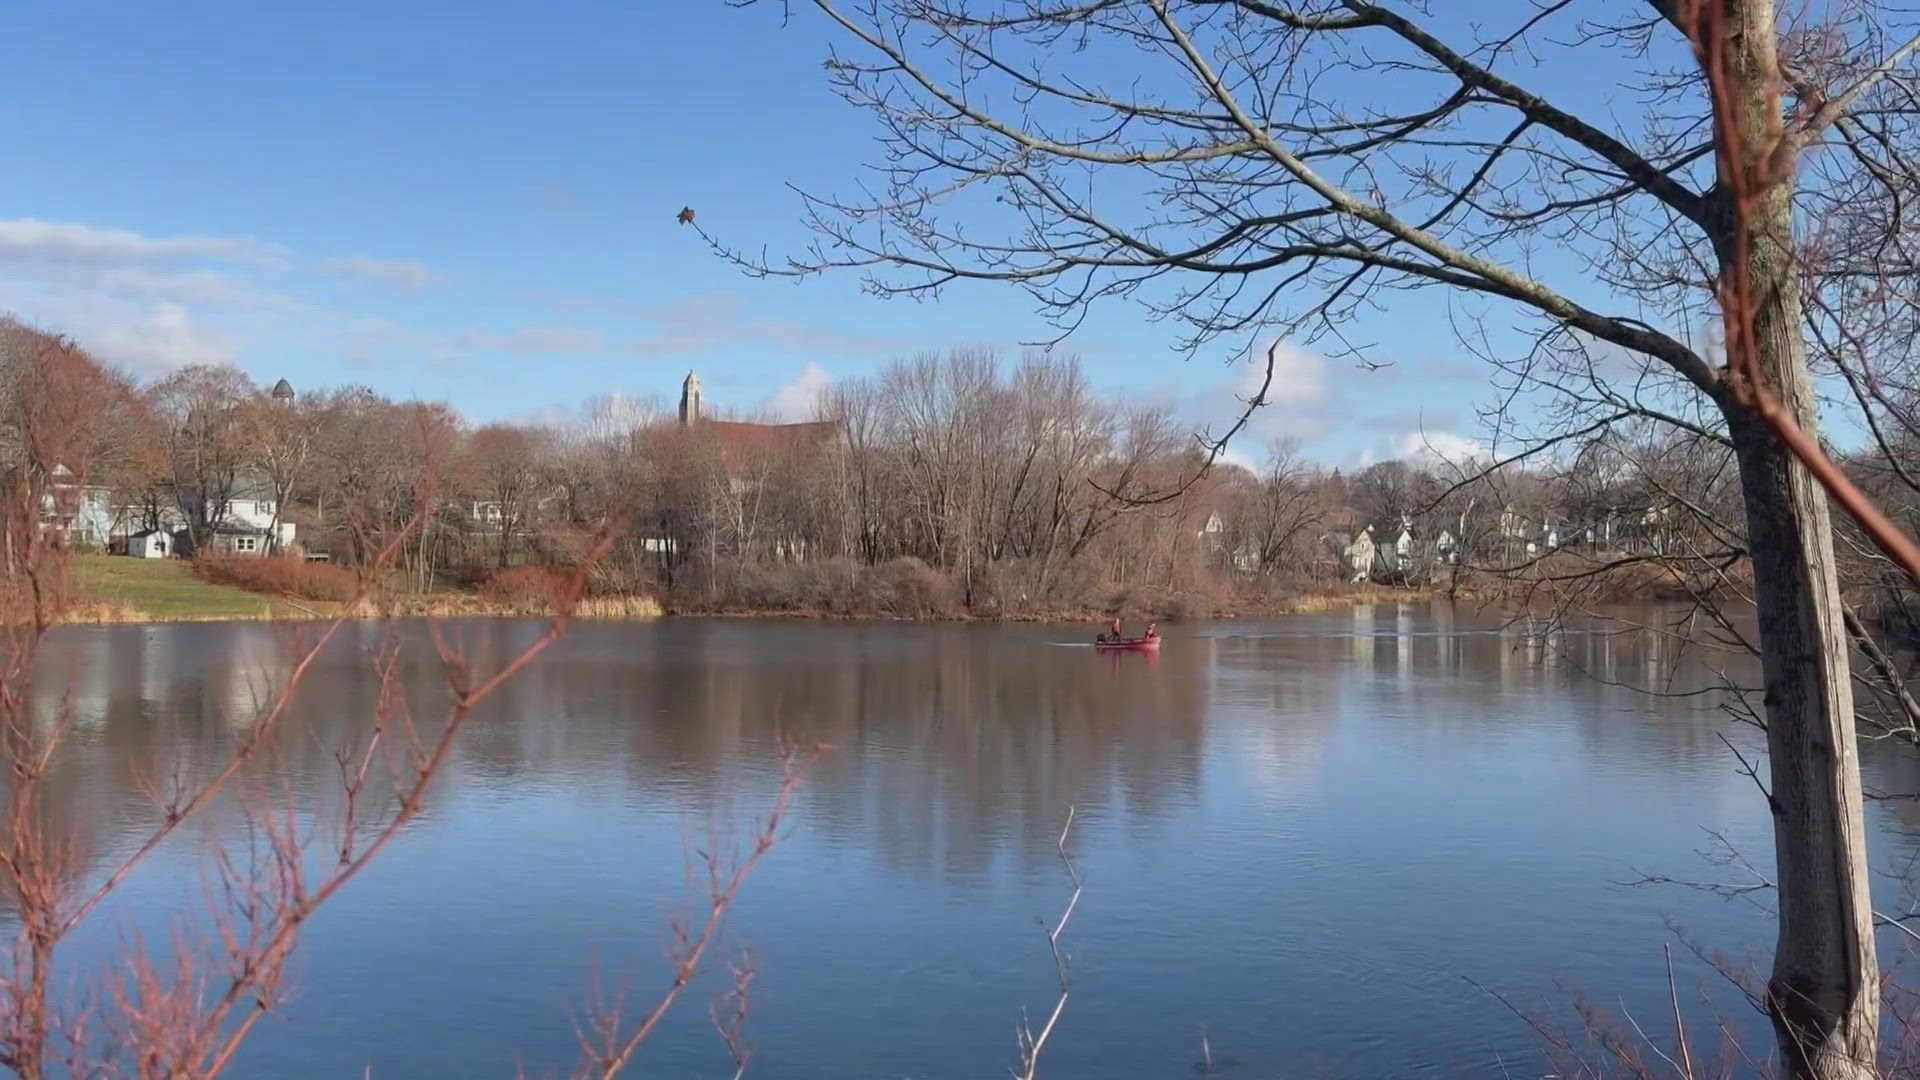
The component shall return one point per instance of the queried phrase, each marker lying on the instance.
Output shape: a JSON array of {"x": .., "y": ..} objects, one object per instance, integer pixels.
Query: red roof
[{"x": 746, "y": 449}]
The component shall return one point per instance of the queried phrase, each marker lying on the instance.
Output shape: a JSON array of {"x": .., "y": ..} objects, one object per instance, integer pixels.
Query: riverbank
[
  {"x": 1293, "y": 603},
  {"x": 116, "y": 589},
  {"x": 113, "y": 590}
]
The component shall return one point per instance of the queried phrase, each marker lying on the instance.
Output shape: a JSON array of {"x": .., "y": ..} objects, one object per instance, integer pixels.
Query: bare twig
[{"x": 1032, "y": 1042}]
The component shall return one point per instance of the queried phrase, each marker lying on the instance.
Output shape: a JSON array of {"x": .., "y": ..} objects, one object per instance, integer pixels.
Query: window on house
[{"x": 245, "y": 543}]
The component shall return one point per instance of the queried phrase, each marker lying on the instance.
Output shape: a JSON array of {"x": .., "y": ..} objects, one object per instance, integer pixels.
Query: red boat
[{"x": 1141, "y": 643}]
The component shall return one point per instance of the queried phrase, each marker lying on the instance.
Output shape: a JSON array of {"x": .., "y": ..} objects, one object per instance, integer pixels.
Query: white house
[
  {"x": 1402, "y": 555},
  {"x": 149, "y": 544},
  {"x": 485, "y": 513},
  {"x": 244, "y": 541},
  {"x": 1213, "y": 536},
  {"x": 246, "y": 526},
  {"x": 251, "y": 509},
  {"x": 1360, "y": 554}
]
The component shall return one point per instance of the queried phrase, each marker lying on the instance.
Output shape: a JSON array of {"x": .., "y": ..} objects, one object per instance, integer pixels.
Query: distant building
[
  {"x": 749, "y": 451},
  {"x": 248, "y": 525},
  {"x": 239, "y": 541},
  {"x": 251, "y": 524},
  {"x": 750, "y": 455},
  {"x": 72, "y": 511},
  {"x": 1360, "y": 554},
  {"x": 690, "y": 404},
  {"x": 148, "y": 544}
]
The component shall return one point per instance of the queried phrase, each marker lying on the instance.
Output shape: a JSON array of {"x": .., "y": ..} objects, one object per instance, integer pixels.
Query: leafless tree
[
  {"x": 1281, "y": 512},
  {"x": 68, "y": 425},
  {"x": 506, "y": 469},
  {"x": 1262, "y": 193},
  {"x": 1390, "y": 494},
  {"x": 279, "y": 436},
  {"x": 185, "y": 1015},
  {"x": 208, "y": 441}
]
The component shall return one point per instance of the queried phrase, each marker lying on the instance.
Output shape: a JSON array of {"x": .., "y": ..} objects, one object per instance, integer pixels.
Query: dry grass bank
[
  {"x": 1126, "y": 604},
  {"x": 117, "y": 589},
  {"x": 125, "y": 590}
]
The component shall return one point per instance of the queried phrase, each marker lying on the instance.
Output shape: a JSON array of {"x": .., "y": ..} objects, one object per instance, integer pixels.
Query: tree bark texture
[{"x": 1824, "y": 992}]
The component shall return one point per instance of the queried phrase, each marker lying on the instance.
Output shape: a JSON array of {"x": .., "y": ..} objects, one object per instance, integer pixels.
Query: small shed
[{"x": 150, "y": 544}]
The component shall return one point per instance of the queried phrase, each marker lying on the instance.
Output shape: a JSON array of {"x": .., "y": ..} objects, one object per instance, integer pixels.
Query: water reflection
[
  {"x": 945, "y": 744},
  {"x": 1395, "y": 796}
]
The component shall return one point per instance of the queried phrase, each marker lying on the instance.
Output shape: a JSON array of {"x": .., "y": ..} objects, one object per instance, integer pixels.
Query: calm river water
[{"x": 1301, "y": 838}]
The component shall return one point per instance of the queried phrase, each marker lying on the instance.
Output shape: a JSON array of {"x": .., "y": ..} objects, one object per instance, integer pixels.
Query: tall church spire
[{"x": 690, "y": 400}]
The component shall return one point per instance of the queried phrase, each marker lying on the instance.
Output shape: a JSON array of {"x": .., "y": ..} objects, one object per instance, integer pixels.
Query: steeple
[{"x": 690, "y": 400}]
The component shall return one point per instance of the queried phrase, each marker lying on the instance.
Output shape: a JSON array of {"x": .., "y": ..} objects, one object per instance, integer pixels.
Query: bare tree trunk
[{"x": 1824, "y": 993}]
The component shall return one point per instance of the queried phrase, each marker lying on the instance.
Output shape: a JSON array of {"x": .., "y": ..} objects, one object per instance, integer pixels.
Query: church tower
[{"x": 690, "y": 400}]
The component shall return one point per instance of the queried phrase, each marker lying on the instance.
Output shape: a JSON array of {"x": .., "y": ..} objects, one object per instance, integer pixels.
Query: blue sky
[{"x": 475, "y": 203}]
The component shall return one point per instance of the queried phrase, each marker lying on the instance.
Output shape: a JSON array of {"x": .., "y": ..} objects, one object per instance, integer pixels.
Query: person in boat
[
  {"x": 1114, "y": 636},
  {"x": 1151, "y": 632}
]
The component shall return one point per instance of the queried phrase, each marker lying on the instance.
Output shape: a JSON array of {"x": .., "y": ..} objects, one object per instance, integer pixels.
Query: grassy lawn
[{"x": 164, "y": 589}]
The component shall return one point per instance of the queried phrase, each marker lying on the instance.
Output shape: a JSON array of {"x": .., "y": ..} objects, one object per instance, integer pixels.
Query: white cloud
[
  {"x": 1300, "y": 402},
  {"x": 1438, "y": 449},
  {"x": 796, "y": 400},
  {"x": 32, "y": 241},
  {"x": 206, "y": 288},
  {"x": 163, "y": 338},
  {"x": 51, "y": 268},
  {"x": 161, "y": 301},
  {"x": 1299, "y": 376},
  {"x": 402, "y": 274}
]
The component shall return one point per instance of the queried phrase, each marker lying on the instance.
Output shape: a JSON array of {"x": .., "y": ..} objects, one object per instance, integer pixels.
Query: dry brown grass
[
  {"x": 101, "y": 612},
  {"x": 282, "y": 576},
  {"x": 457, "y": 605},
  {"x": 153, "y": 591}
]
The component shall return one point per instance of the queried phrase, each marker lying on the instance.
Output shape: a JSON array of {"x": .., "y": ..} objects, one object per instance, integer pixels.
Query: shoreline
[
  {"x": 281, "y": 610},
  {"x": 1303, "y": 604},
  {"x": 642, "y": 609}
]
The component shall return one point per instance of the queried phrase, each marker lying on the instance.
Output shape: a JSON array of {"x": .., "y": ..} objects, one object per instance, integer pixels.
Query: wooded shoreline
[{"x": 113, "y": 591}]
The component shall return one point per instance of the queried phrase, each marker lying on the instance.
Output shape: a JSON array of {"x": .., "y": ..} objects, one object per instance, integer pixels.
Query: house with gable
[
  {"x": 71, "y": 510},
  {"x": 248, "y": 525}
]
